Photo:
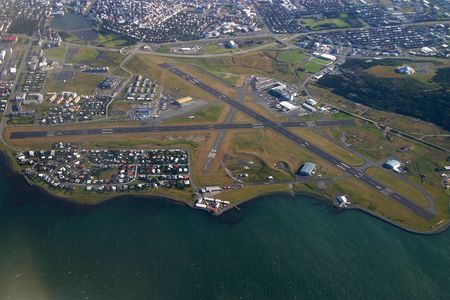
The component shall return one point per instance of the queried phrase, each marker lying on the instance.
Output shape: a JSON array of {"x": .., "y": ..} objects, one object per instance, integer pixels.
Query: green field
[
  {"x": 314, "y": 24},
  {"x": 94, "y": 57},
  {"x": 342, "y": 20},
  {"x": 262, "y": 63},
  {"x": 292, "y": 57},
  {"x": 164, "y": 49},
  {"x": 82, "y": 83},
  {"x": 398, "y": 185},
  {"x": 210, "y": 114},
  {"x": 56, "y": 53},
  {"x": 110, "y": 40},
  {"x": 83, "y": 55}
]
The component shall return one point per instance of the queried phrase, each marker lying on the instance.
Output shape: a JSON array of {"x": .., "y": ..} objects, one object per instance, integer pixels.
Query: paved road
[
  {"x": 71, "y": 132},
  {"x": 221, "y": 135},
  {"x": 281, "y": 129}
]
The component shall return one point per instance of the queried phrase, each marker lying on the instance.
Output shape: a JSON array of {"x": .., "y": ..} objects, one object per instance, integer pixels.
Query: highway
[
  {"x": 281, "y": 129},
  {"x": 200, "y": 127}
]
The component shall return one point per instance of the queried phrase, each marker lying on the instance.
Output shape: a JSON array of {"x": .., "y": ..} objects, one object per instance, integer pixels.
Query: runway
[
  {"x": 115, "y": 130},
  {"x": 281, "y": 129}
]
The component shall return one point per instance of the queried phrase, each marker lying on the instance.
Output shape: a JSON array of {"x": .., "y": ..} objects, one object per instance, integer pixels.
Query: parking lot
[{"x": 34, "y": 81}]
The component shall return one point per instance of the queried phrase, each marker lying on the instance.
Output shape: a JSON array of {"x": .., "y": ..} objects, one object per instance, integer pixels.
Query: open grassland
[
  {"x": 372, "y": 143},
  {"x": 336, "y": 150},
  {"x": 213, "y": 113},
  {"x": 94, "y": 57},
  {"x": 420, "y": 161},
  {"x": 397, "y": 184},
  {"x": 215, "y": 49},
  {"x": 110, "y": 40},
  {"x": 57, "y": 53},
  {"x": 241, "y": 117},
  {"x": 292, "y": 57},
  {"x": 256, "y": 168},
  {"x": 261, "y": 63},
  {"x": 82, "y": 83},
  {"x": 265, "y": 144},
  {"x": 414, "y": 126},
  {"x": 81, "y": 55},
  {"x": 422, "y": 168},
  {"x": 424, "y": 71},
  {"x": 443, "y": 141},
  {"x": 314, "y": 24},
  {"x": 377, "y": 203},
  {"x": 244, "y": 44}
]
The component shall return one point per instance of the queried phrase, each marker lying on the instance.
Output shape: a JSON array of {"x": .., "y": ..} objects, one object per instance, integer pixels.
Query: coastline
[{"x": 8, "y": 163}]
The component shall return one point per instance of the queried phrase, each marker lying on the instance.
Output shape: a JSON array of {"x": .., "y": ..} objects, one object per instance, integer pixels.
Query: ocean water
[{"x": 276, "y": 247}]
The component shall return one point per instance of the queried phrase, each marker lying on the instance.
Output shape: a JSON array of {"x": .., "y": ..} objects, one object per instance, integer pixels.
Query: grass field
[
  {"x": 208, "y": 114},
  {"x": 57, "y": 53},
  {"x": 83, "y": 55},
  {"x": 292, "y": 57},
  {"x": 424, "y": 71},
  {"x": 338, "y": 151},
  {"x": 396, "y": 184},
  {"x": 377, "y": 203},
  {"x": 256, "y": 168},
  {"x": 314, "y": 24},
  {"x": 94, "y": 57},
  {"x": 367, "y": 140},
  {"x": 110, "y": 40},
  {"x": 82, "y": 83},
  {"x": 240, "y": 117},
  {"x": 265, "y": 144},
  {"x": 260, "y": 63},
  {"x": 215, "y": 49}
]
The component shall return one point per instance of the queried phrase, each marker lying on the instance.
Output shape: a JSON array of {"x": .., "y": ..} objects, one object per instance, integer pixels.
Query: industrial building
[
  {"x": 287, "y": 106},
  {"x": 325, "y": 56},
  {"x": 280, "y": 93},
  {"x": 307, "y": 169},
  {"x": 183, "y": 101},
  {"x": 393, "y": 164},
  {"x": 342, "y": 200},
  {"x": 231, "y": 44}
]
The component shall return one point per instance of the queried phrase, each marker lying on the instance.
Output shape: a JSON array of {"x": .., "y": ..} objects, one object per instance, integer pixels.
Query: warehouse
[
  {"x": 307, "y": 169},
  {"x": 287, "y": 106},
  {"x": 183, "y": 101},
  {"x": 393, "y": 164},
  {"x": 325, "y": 56}
]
